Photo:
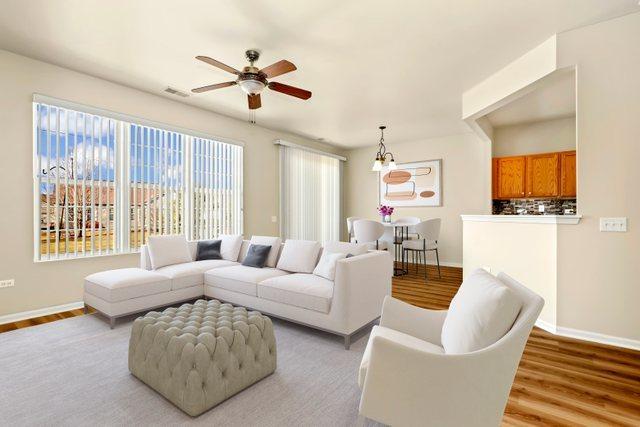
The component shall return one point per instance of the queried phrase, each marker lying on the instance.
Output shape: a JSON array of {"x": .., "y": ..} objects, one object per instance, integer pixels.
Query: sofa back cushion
[
  {"x": 483, "y": 310},
  {"x": 230, "y": 246},
  {"x": 299, "y": 256},
  {"x": 257, "y": 256},
  {"x": 168, "y": 250},
  {"x": 327, "y": 265},
  {"x": 272, "y": 241},
  {"x": 345, "y": 248}
]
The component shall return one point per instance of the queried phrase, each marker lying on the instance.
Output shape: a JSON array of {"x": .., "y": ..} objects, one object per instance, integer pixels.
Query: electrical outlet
[
  {"x": 274, "y": 219},
  {"x": 7, "y": 283},
  {"x": 541, "y": 208},
  {"x": 618, "y": 225}
]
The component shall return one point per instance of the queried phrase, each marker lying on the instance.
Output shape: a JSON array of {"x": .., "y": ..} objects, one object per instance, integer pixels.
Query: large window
[
  {"x": 104, "y": 183},
  {"x": 310, "y": 197}
]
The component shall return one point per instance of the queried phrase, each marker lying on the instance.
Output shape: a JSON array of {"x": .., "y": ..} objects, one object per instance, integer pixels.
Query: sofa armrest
[
  {"x": 361, "y": 284},
  {"x": 145, "y": 260},
  {"x": 415, "y": 321}
]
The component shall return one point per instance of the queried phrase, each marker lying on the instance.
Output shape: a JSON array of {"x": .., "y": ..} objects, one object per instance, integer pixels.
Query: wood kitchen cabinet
[
  {"x": 536, "y": 175},
  {"x": 511, "y": 177},
  {"x": 543, "y": 175},
  {"x": 568, "y": 174}
]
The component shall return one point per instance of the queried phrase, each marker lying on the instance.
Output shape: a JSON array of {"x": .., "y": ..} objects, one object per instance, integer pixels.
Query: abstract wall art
[{"x": 412, "y": 184}]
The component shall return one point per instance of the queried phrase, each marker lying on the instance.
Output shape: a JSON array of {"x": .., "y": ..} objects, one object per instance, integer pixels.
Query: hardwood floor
[{"x": 560, "y": 381}]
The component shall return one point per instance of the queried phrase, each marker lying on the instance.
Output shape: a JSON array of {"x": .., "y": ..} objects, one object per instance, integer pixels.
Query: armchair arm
[
  {"x": 406, "y": 386},
  {"x": 415, "y": 321},
  {"x": 361, "y": 284}
]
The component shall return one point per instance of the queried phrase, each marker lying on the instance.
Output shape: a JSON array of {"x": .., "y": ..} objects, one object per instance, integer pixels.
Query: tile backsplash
[{"x": 532, "y": 207}]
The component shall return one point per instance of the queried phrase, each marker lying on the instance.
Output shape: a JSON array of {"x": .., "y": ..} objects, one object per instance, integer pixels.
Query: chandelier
[{"x": 382, "y": 154}]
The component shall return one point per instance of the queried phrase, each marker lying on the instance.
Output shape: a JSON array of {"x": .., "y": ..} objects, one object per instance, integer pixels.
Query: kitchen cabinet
[
  {"x": 511, "y": 177},
  {"x": 568, "y": 174},
  {"x": 543, "y": 175}
]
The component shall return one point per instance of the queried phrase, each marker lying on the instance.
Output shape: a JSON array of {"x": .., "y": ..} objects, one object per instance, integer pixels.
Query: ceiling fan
[{"x": 253, "y": 80}]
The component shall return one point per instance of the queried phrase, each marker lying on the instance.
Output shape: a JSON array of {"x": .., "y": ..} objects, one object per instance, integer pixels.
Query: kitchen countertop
[{"x": 529, "y": 219}]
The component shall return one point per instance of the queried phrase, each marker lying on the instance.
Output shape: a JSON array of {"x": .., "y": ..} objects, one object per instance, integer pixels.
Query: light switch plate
[
  {"x": 274, "y": 219},
  {"x": 6, "y": 283},
  {"x": 618, "y": 225}
]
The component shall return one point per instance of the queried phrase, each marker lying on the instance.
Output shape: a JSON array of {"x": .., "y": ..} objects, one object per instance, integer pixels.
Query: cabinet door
[
  {"x": 511, "y": 177},
  {"x": 543, "y": 179},
  {"x": 568, "y": 174},
  {"x": 494, "y": 178}
]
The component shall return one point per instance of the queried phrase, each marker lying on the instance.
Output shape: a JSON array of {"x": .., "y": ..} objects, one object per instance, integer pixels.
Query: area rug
[{"x": 74, "y": 372}]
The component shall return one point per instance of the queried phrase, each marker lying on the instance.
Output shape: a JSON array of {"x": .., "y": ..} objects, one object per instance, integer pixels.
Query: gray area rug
[{"x": 74, "y": 372}]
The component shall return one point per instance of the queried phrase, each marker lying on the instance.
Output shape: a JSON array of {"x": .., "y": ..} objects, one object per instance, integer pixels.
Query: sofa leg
[
  {"x": 347, "y": 342},
  {"x": 112, "y": 322}
]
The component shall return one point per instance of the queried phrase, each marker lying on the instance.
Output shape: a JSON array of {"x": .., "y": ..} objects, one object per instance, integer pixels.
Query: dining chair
[
  {"x": 350, "y": 222},
  {"x": 428, "y": 232},
  {"x": 369, "y": 232}
]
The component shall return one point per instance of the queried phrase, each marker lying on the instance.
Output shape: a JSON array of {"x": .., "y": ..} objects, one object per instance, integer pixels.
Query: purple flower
[{"x": 385, "y": 210}]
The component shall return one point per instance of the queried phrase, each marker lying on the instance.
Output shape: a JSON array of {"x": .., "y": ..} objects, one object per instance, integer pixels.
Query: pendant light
[{"x": 382, "y": 154}]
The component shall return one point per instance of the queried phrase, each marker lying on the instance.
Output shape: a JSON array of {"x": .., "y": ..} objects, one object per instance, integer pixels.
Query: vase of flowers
[{"x": 385, "y": 212}]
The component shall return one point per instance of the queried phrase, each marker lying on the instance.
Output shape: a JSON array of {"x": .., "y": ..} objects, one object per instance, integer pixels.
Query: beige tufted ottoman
[{"x": 200, "y": 354}]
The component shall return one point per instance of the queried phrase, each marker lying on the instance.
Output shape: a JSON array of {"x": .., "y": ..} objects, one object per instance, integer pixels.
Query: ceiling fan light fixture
[{"x": 251, "y": 87}]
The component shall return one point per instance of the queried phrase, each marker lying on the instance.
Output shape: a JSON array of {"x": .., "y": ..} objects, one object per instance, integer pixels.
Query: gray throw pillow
[
  {"x": 209, "y": 249},
  {"x": 257, "y": 256}
]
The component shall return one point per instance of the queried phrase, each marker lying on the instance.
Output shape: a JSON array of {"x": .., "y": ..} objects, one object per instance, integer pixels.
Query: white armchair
[{"x": 409, "y": 379}]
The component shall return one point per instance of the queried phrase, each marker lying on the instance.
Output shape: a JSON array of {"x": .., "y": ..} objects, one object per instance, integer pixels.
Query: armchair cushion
[
  {"x": 482, "y": 311},
  {"x": 398, "y": 337}
]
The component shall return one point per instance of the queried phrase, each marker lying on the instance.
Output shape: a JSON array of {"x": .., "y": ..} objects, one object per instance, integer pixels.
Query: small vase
[{"x": 386, "y": 218}]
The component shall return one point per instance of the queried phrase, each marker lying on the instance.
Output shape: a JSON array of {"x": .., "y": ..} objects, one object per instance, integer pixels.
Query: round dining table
[{"x": 395, "y": 233}]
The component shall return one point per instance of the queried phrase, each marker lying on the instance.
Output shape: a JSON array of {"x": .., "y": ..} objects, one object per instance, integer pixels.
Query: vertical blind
[
  {"x": 310, "y": 195},
  {"x": 103, "y": 185}
]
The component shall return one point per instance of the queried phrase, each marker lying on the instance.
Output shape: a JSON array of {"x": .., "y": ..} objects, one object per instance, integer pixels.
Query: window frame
[{"x": 122, "y": 183}]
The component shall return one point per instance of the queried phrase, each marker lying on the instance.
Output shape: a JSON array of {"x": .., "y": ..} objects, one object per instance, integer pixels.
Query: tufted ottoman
[{"x": 200, "y": 354}]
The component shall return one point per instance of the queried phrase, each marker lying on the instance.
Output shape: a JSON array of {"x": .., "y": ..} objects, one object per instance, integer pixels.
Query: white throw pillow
[
  {"x": 483, "y": 310},
  {"x": 327, "y": 265},
  {"x": 168, "y": 250},
  {"x": 274, "y": 242},
  {"x": 346, "y": 247},
  {"x": 299, "y": 256},
  {"x": 230, "y": 246}
]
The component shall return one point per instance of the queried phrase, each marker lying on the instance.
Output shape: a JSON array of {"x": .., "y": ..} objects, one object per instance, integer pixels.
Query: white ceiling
[
  {"x": 553, "y": 98},
  {"x": 367, "y": 62}
]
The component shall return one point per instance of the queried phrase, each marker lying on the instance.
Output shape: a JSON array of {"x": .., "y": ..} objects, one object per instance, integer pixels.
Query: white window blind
[
  {"x": 310, "y": 195},
  {"x": 102, "y": 185}
]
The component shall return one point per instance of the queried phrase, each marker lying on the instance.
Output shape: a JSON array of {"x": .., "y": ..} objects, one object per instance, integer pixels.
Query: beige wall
[
  {"x": 514, "y": 248},
  {"x": 466, "y": 166},
  {"x": 531, "y": 138},
  {"x": 39, "y": 285},
  {"x": 599, "y": 273}
]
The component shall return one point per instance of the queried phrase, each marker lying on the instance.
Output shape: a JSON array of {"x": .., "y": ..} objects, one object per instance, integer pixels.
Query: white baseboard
[
  {"x": 589, "y": 336},
  {"x": 16, "y": 317},
  {"x": 443, "y": 263}
]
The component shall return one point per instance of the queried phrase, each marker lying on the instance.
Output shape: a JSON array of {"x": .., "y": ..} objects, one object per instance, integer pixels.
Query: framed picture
[{"x": 412, "y": 184}]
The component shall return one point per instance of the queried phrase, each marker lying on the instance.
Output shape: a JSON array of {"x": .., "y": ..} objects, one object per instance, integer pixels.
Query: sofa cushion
[
  {"x": 191, "y": 273},
  {"x": 396, "y": 336},
  {"x": 240, "y": 278},
  {"x": 230, "y": 246},
  {"x": 256, "y": 256},
  {"x": 327, "y": 265},
  {"x": 168, "y": 250},
  {"x": 345, "y": 247},
  {"x": 299, "y": 256},
  {"x": 125, "y": 283},
  {"x": 208, "y": 249},
  {"x": 482, "y": 311},
  {"x": 299, "y": 289},
  {"x": 274, "y": 242}
]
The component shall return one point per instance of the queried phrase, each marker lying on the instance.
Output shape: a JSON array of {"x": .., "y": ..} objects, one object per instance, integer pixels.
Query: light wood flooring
[{"x": 560, "y": 381}]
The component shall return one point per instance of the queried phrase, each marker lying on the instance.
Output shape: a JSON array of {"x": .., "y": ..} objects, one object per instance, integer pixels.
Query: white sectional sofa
[{"x": 343, "y": 306}]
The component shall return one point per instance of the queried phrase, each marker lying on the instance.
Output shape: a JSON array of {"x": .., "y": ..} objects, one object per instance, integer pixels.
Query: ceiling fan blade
[
  {"x": 212, "y": 87},
  {"x": 218, "y": 64},
  {"x": 279, "y": 68},
  {"x": 290, "y": 90},
  {"x": 254, "y": 101}
]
